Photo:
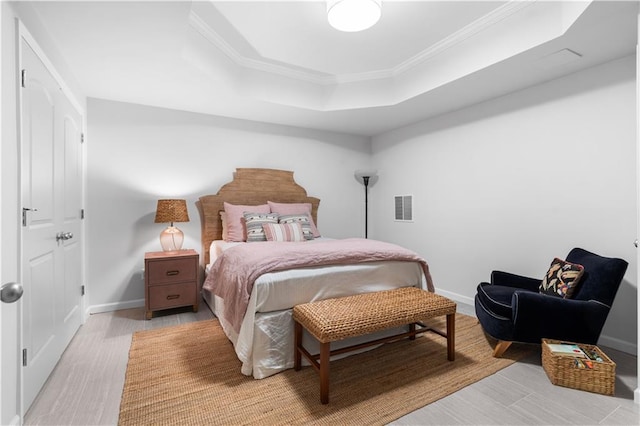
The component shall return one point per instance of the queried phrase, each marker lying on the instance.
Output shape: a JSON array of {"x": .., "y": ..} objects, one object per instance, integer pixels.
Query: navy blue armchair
[{"x": 511, "y": 309}]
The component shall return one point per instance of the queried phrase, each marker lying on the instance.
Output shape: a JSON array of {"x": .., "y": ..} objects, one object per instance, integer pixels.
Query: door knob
[
  {"x": 11, "y": 292},
  {"x": 64, "y": 236}
]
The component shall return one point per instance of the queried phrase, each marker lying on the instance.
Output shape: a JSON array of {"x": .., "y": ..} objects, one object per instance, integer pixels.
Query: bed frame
[{"x": 250, "y": 186}]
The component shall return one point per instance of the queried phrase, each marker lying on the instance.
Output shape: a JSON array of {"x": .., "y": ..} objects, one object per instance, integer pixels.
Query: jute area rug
[{"x": 189, "y": 374}]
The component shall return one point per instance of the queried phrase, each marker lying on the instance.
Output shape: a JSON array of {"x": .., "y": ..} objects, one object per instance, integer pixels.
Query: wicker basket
[{"x": 563, "y": 371}]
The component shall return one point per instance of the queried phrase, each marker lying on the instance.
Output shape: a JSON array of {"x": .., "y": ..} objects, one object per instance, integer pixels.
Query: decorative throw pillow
[
  {"x": 561, "y": 279},
  {"x": 236, "y": 229},
  {"x": 254, "y": 222},
  {"x": 295, "y": 208},
  {"x": 302, "y": 219},
  {"x": 290, "y": 232}
]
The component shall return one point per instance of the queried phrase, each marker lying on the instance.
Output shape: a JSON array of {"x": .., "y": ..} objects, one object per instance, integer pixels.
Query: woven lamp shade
[{"x": 171, "y": 211}]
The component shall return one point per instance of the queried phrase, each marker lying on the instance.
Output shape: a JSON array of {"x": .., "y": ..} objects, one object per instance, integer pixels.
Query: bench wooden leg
[
  {"x": 324, "y": 372},
  {"x": 412, "y": 329},
  {"x": 297, "y": 338},
  {"x": 451, "y": 337}
]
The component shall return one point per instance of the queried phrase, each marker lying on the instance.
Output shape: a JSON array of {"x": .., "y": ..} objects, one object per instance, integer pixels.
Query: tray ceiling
[{"x": 281, "y": 62}]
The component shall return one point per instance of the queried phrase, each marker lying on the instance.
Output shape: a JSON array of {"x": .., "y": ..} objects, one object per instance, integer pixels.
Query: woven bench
[{"x": 336, "y": 319}]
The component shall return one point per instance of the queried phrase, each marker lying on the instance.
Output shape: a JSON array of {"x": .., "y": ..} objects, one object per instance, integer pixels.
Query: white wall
[
  {"x": 513, "y": 182},
  {"x": 138, "y": 154}
]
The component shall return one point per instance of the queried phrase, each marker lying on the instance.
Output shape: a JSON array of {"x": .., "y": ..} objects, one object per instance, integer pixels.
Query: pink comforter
[{"x": 232, "y": 275}]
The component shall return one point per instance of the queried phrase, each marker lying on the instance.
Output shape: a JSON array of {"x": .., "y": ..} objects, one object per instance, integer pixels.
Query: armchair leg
[{"x": 500, "y": 348}]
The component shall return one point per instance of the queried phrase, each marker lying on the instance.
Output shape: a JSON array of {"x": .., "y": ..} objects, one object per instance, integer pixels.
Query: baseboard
[
  {"x": 465, "y": 304},
  {"x": 456, "y": 297},
  {"x": 469, "y": 309},
  {"x": 618, "y": 344},
  {"x": 109, "y": 307}
]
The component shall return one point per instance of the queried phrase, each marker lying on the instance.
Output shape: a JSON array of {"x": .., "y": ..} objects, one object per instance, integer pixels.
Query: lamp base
[{"x": 171, "y": 239}]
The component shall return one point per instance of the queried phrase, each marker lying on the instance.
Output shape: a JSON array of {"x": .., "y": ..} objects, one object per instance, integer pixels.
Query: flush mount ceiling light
[{"x": 353, "y": 15}]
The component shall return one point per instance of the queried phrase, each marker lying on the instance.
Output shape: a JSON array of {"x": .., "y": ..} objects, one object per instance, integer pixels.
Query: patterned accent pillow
[
  {"x": 302, "y": 219},
  {"x": 561, "y": 279},
  {"x": 254, "y": 222},
  {"x": 290, "y": 232}
]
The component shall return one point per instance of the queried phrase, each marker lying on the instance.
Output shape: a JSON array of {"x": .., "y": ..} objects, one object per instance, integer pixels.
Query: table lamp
[{"x": 169, "y": 211}]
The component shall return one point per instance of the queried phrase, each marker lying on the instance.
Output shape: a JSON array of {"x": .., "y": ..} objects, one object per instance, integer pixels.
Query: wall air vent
[{"x": 404, "y": 208}]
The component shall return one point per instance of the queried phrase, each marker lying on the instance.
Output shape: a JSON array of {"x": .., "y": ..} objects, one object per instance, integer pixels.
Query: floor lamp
[{"x": 366, "y": 178}]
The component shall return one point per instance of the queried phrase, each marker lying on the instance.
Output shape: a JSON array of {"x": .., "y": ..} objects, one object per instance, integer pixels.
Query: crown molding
[
  {"x": 501, "y": 13},
  {"x": 465, "y": 33},
  {"x": 218, "y": 41}
]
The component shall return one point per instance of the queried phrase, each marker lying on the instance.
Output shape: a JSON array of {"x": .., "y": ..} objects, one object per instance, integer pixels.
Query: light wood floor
[{"x": 85, "y": 387}]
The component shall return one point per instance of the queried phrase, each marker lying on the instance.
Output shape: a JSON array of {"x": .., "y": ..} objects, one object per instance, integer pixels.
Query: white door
[
  {"x": 69, "y": 301},
  {"x": 9, "y": 343},
  {"x": 3, "y": 346},
  {"x": 51, "y": 197}
]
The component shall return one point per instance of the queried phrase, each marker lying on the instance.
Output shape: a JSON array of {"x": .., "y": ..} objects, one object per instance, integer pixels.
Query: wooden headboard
[{"x": 249, "y": 187}]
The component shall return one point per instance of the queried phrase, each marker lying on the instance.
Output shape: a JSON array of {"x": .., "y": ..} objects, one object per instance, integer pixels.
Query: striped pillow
[
  {"x": 302, "y": 219},
  {"x": 254, "y": 222},
  {"x": 283, "y": 232}
]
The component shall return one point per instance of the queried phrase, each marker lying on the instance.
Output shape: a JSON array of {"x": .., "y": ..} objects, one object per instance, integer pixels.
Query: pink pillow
[
  {"x": 295, "y": 208},
  {"x": 283, "y": 232},
  {"x": 236, "y": 228}
]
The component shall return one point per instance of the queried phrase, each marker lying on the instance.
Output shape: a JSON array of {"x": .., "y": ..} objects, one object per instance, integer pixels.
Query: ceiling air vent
[{"x": 404, "y": 208}]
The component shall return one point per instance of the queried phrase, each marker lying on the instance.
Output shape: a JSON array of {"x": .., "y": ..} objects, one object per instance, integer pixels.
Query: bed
[{"x": 261, "y": 326}]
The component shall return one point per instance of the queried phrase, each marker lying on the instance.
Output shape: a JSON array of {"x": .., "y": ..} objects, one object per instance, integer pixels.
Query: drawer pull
[
  {"x": 173, "y": 296},
  {"x": 172, "y": 273}
]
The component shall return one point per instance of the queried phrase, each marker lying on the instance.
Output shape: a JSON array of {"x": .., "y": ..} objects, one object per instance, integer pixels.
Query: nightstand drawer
[
  {"x": 172, "y": 271},
  {"x": 172, "y": 295}
]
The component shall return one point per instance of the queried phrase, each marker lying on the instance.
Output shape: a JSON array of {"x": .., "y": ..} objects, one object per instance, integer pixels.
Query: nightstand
[{"x": 170, "y": 280}]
